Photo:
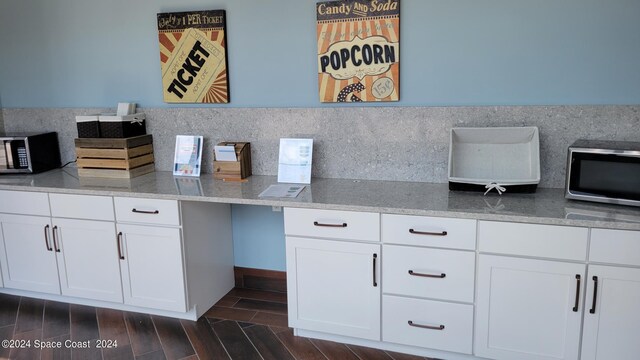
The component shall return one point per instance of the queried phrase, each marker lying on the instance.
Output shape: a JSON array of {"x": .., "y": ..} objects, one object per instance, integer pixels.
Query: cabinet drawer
[
  {"x": 430, "y": 273},
  {"x": 82, "y": 206},
  {"x": 549, "y": 241},
  {"x": 615, "y": 246},
  {"x": 429, "y": 231},
  {"x": 147, "y": 211},
  {"x": 24, "y": 202},
  {"x": 456, "y": 321},
  {"x": 332, "y": 224}
]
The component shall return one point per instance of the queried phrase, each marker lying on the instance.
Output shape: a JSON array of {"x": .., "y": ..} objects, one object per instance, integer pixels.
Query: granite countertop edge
[{"x": 57, "y": 181}]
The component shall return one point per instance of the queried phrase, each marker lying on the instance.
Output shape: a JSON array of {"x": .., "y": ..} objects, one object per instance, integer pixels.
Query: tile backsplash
[{"x": 381, "y": 143}]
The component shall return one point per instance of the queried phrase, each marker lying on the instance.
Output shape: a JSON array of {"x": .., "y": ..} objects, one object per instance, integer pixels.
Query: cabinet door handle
[
  {"x": 595, "y": 295},
  {"x": 375, "y": 257},
  {"x": 439, "y": 327},
  {"x": 343, "y": 225},
  {"x": 55, "y": 240},
  {"x": 442, "y": 233},
  {"x": 118, "y": 241},
  {"x": 439, "y": 276},
  {"x": 46, "y": 238},
  {"x": 575, "y": 306},
  {"x": 145, "y": 211}
]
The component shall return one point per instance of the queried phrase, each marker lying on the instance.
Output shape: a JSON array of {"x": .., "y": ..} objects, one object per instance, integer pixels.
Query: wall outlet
[{"x": 276, "y": 208}]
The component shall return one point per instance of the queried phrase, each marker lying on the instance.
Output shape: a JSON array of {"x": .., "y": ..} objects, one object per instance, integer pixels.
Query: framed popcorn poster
[
  {"x": 193, "y": 56},
  {"x": 358, "y": 50}
]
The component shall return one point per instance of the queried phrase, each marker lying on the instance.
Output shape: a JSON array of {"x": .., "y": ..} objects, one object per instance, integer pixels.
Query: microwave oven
[
  {"x": 604, "y": 171},
  {"x": 28, "y": 152}
]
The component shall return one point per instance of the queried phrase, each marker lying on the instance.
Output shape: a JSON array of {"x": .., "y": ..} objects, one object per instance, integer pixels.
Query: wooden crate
[
  {"x": 234, "y": 169},
  {"x": 115, "y": 158}
]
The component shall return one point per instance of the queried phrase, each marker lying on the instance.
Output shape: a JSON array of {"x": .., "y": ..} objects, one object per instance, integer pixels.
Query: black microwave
[
  {"x": 604, "y": 171},
  {"x": 28, "y": 152}
]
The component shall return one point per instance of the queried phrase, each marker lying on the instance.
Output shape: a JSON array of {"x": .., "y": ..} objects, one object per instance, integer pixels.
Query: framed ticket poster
[
  {"x": 358, "y": 50},
  {"x": 193, "y": 56}
]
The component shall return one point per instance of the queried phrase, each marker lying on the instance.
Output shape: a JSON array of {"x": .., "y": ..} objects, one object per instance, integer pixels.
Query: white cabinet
[
  {"x": 87, "y": 259},
  {"x": 152, "y": 267},
  {"x": 151, "y": 256},
  {"x": 333, "y": 287},
  {"x": 70, "y": 245},
  {"x": 612, "y": 317},
  {"x": 28, "y": 259},
  {"x": 420, "y": 281},
  {"x": 428, "y": 324},
  {"x": 528, "y": 309},
  {"x": 61, "y": 256}
]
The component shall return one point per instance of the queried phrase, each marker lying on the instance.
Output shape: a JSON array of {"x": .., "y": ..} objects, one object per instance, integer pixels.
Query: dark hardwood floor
[{"x": 245, "y": 324}]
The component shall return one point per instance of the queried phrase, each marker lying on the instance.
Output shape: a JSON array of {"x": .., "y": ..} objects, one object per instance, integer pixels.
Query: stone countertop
[{"x": 546, "y": 206}]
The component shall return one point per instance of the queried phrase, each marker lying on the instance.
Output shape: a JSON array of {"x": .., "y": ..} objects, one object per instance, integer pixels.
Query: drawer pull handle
[
  {"x": 375, "y": 257},
  {"x": 343, "y": 225},
  {"x": 46, "y": 238},
  {"x": 145, "y": 211},
  {"x": 118, "y": 241},
  {"x": 575, "y": 306},
  {"x": 440, "y": 276},
  {"x": 441, "y": 327},
  {"x": 442, "y": 233},
  {"x": 595, "y": 295},
  {"x": 55, "y": 240}
]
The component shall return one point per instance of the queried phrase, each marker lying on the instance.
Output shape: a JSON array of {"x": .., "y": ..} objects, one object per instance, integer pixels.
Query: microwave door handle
[{"x": 9, "y": 154}]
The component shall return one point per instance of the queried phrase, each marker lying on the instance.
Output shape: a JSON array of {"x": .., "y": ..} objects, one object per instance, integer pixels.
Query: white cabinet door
[
  {"x": 333, "y": 287},
  {"x": 88, "y": 259},
  {"x": 152, "y": 268},
  {"x": 526, "y": 309},
  {"x": 28, "y": 259},
  {"x": 612, "y": 314}
]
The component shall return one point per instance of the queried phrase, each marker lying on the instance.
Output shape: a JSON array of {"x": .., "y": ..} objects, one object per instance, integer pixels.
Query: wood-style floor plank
[
  {"x": 300, "y": 347},
  {"x": 89, "y": 353},
  {"x": 400, "y": 356},
  {"x": 84, "y": 323},
  {"x": 227, "y": 301},
  {"x": 56, "y": 321},
  {"x": 154, "y": 355},
  {"x": 29, "y": 315},
  {"x": 174, "y": 340},
  {"x": 26, "y": 353},
  {"x": 120, "y": 353},
  {"x": 267, "y": 343},
  {"x": 142, "y": 334},
  {"x": 6, "y": 333},
  {"x": 235, "y": 341},
  {"x": 61, "y": 353},
  {"x": 226, "y": 313},
  {"x": 8, "y": 310},
  {"x": 259, "y": 295},
  {"x": 259, "y": 305},
  {"x": 113, "y": 329},
  {"x": 205, "y": 342},
  {"x": 334, "y": 351},
  {"x": 271, "y": 319},
  {"x": 112, "y": 326},
  {"x": 369, "y": 353},
  {"x": 262, "y": 283}
]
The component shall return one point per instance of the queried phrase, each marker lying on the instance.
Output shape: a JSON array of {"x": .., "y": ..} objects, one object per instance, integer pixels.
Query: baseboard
[{"x": 259, "y": 279}]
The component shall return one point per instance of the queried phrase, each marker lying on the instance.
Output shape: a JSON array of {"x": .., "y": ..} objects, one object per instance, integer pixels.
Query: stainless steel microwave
[
  {"x": 604, "y": 171},
  {"x": 29, "y": 152}
]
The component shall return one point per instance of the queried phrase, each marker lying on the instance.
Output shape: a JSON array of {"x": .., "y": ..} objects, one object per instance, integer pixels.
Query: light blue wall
[
  {"x": 258, "y": 237},
  {"x": 86, "y": 53},
  {"x": 91, "y": 53}
]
